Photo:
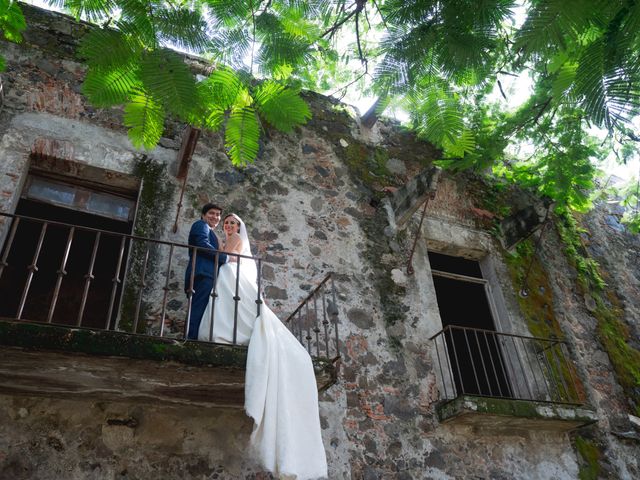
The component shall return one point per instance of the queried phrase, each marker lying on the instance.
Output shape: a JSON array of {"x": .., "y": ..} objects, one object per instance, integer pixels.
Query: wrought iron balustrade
[
  {"x": 501, "y": 365},
  {"x": 312, "y": 321},
  {"x": 58, "y": 273}
]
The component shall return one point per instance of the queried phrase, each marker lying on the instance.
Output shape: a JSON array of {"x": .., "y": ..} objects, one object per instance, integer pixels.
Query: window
[
  {"x": 475, "y": 359},
  {"x": 79, "y": 199},
  {"x": 79, "y": 195}
]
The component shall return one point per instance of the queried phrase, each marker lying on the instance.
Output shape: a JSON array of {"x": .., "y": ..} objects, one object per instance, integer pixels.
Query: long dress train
[{"x": 280, "y": 389}]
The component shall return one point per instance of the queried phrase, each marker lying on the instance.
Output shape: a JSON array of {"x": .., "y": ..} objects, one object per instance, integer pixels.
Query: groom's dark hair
[{"x": 210, "y": 206}]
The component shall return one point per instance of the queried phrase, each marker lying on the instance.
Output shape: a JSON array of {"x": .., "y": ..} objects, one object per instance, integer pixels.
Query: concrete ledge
[
  {"x": 56, "y": 361},
  {"x": 511, "y": 416},
  {"x": 37, "y": 336}
]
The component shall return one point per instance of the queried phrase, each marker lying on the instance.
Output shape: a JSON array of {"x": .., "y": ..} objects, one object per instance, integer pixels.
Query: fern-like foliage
[
  {"x": 231, "y": 47},
  {"x": 91, "y": 10},
  {"x": 110, "y": 87},
  {"x": 145, "y": 118},
  {"x": 242, "y": 136},
  {"x": 12, "y": 24},
  {"x": 129, "y": 65},
  {"x": 438, "y": 59},
  {"x": 432, "y": 52},
  {"x": 281, "y": 107},
  {"x": 186, "y": 29},
  {"x": 437, "y": 114},
  {"x": 594, "y": 55},
  {"x": 230, "y": 12},
  {"x": 225, "y": 87},
  {"x": 168, "y": 79},
  {"x": 216, "y": 95},
  {"x": 453, "y": 40},
  {"x": 104, "y": 49}
]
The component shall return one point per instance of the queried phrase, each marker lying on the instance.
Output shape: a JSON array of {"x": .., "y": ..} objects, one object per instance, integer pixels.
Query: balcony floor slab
[
  {"x": 63, "y": 362},
  {"x": 502, "y": 415}
]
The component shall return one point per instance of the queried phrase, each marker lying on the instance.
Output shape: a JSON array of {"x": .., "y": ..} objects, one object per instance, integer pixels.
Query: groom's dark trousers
[{"x": 205, "y": 272}]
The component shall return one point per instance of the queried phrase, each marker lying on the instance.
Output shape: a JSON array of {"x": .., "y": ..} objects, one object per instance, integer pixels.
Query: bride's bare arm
[{"x": 233, "y": 245}]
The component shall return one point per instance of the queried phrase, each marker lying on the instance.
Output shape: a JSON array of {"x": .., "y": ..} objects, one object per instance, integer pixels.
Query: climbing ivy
[{"x": 612, "y": 330}]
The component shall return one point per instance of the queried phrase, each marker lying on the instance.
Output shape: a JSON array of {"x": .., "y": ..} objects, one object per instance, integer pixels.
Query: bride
[{"x": 280, "y": 387}]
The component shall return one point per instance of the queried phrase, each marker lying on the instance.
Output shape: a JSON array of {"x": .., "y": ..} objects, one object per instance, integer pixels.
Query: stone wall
[{"x": 313, "y": 202}]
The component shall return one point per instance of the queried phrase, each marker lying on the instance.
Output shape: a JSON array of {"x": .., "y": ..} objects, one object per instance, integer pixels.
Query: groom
[{"x": 202, "y": 235}]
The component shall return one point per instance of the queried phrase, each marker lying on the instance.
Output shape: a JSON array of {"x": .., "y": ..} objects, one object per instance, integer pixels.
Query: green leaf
[
  {"x": 282, "y": 72},
  {"x": 223, "y": 87},
  {"x": 104, "y": 48},
  {"x": 242, "y": 135},
  {"x": 632, "y": 221},
  {"x": 12, "y": 22},
  {"x": 183, "y": 28},
  {"x": 230, "y": 11},
  {"x": 207, "y": 112},
  {"x": 105, "y": 88},
  {"x": 437, "y": 114},
  {"x": 231, "y": 47},
  {"x": 551, "y": 25},
  {"x": 214, "y": 116},
  {"x": 165, "y": 76},
  {"x": 145, "y": 118},
  {"x": 464, "y": 143},
  {"x": 280, "y": 48},
  {"x": 136, "y": 20},
  {"x": 92, "y": 10},
  {"x": 564, "y": 79},
  {"x": 280, "y": 106}
]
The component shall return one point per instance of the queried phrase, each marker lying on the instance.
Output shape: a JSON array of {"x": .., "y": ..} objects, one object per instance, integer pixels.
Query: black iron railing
[
  {"x": 58, "y": 273},
  {"x": 315, "y": 318},
  {"x": 490, "y": 364}
]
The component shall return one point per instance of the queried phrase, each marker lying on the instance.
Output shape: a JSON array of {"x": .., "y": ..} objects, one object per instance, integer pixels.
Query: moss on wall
[
  {"x": 535, "y": 299},
  {"x": 590, "y": 456},
  {"x": 611, "y": 327},
  {"x": 154, "y": 200},
  {"x": 390, "y": 294},
  {"x": 100, "y": 342},
  {"x": 368, "y": 166},
  {"x": 537, "y": 305}
]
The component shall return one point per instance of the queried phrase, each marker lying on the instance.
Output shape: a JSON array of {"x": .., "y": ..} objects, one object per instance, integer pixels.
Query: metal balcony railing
[
  {"x": 63, "y": 274},
  {"x": 500, "y": 365},
  {"x": 318, "y": 309}
]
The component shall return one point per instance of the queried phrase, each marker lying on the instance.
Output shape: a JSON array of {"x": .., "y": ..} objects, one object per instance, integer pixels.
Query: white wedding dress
[{"x": 280, "y": 387}]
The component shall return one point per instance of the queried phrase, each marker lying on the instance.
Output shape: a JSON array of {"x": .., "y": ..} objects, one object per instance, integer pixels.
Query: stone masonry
[{"x": 314, "y": 202}]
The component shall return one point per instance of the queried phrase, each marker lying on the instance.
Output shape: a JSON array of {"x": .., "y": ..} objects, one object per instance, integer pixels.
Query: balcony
[
  {"x": 103, "y": 315},
  {"x": 507, "y": 383}
]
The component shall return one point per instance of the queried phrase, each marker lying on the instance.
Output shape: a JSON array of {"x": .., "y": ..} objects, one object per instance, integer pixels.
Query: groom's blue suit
[{"x": 205, "y": 272}]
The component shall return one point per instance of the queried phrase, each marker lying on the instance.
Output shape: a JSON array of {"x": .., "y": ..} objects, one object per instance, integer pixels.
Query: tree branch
[
  {"x": 501, "y": 90},
  {"x": 541, "y": 111},
  {"x": 502, "y": 72},
  {"x": 362, "y": 59},
  {"x": 384, "y": 21},
  {"x": 360, "y": 4},
  {"x": 253, "y": 39},
  {"x": 344, "y": 89}
]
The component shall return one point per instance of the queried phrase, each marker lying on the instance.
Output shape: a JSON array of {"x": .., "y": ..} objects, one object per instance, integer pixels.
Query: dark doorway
[
  {"x": 475, "y": 356},
  {"x": 86, "y": 207}
]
